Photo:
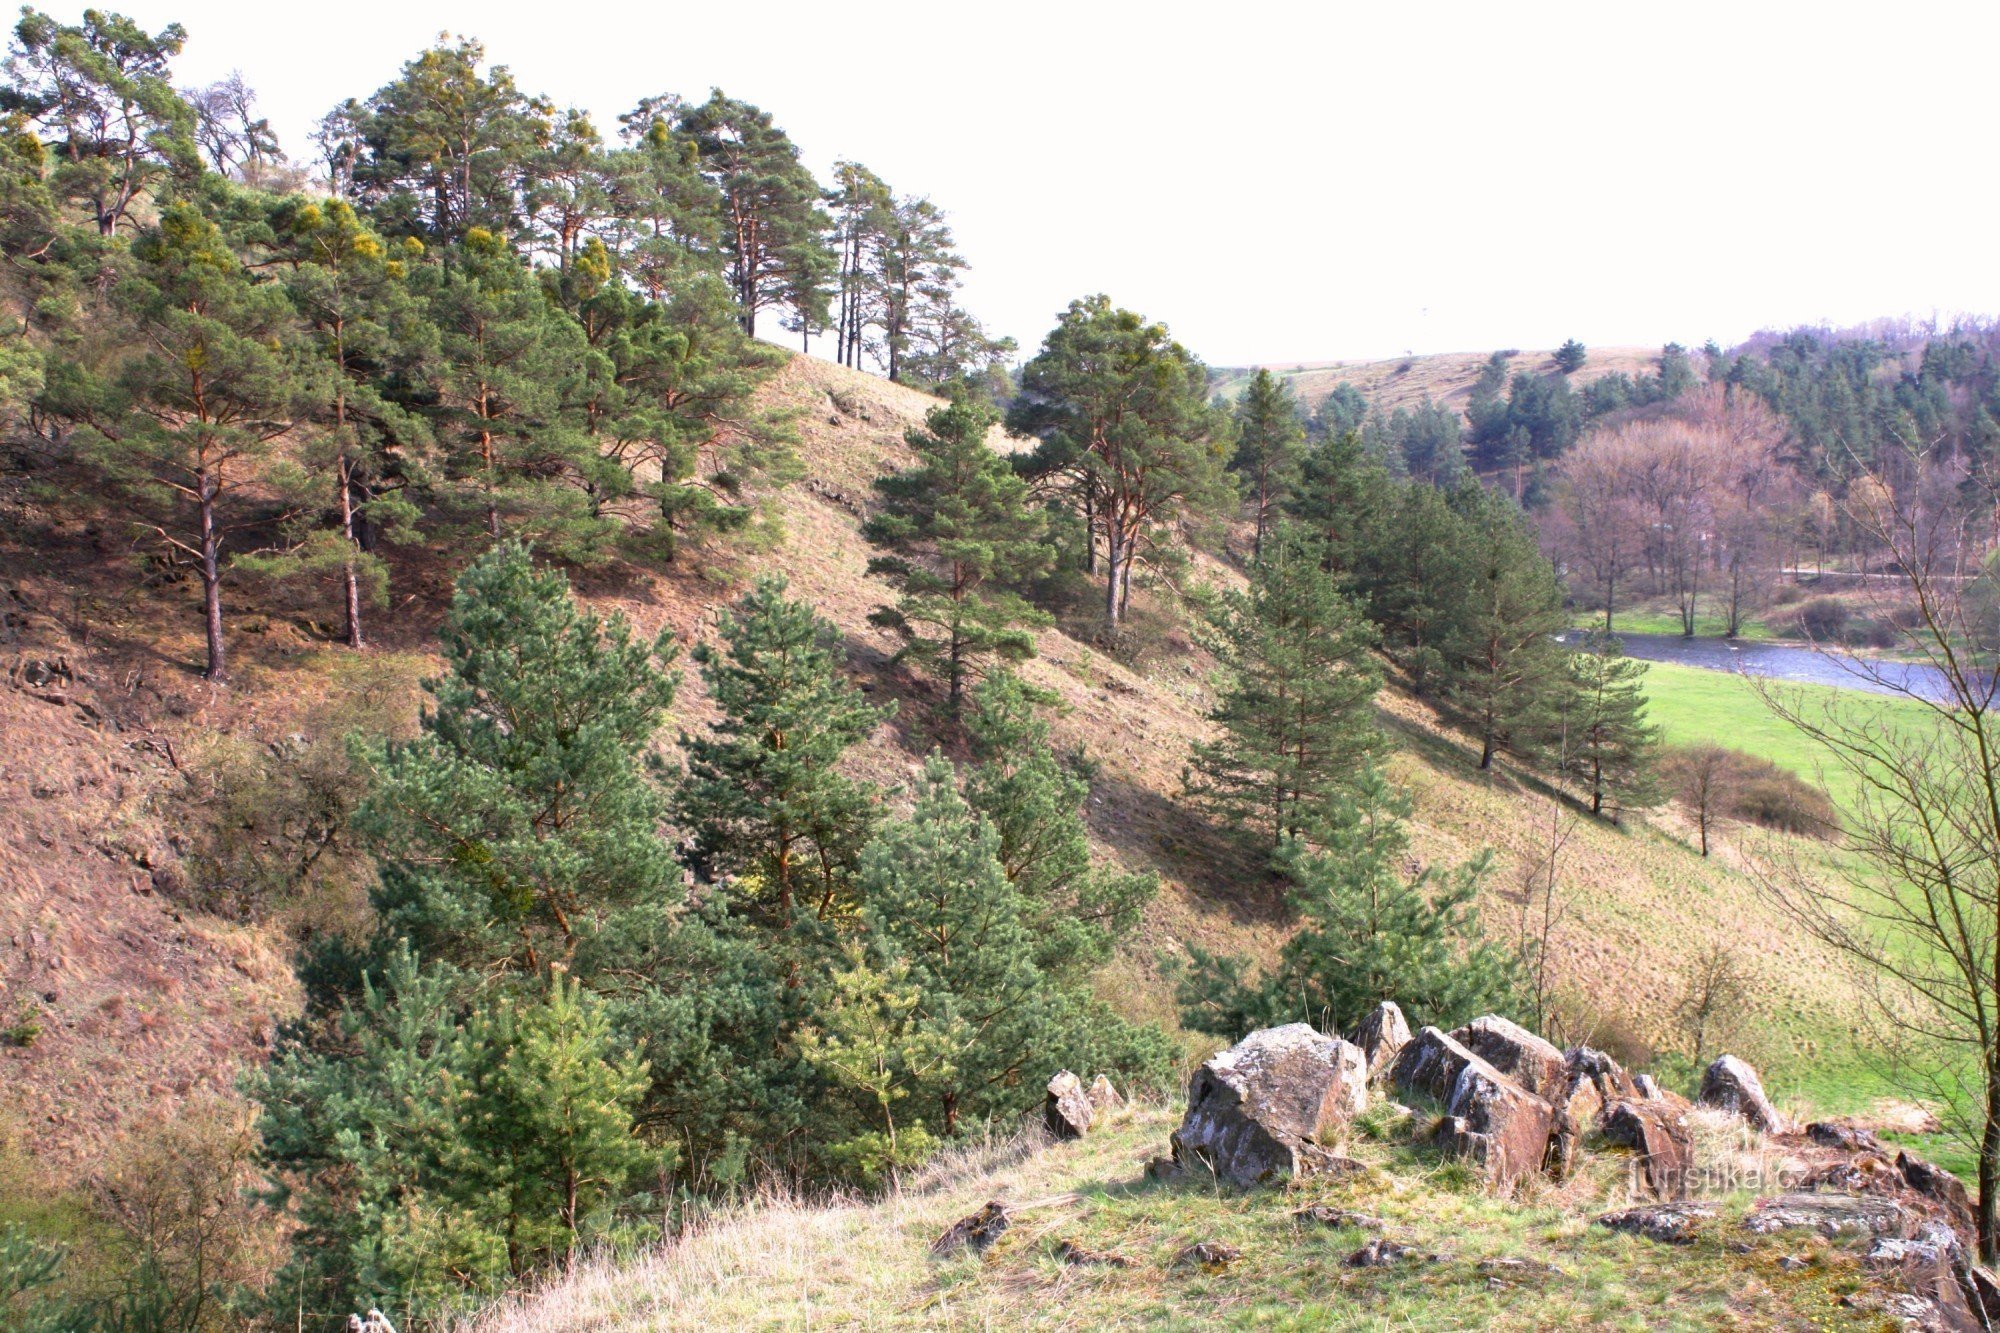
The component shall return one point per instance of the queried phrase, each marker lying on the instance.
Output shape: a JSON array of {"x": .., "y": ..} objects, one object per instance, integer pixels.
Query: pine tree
[
  {"x": 1570, "y": 357},
  {"x": 522, "y": 814},
  {"x": 958, "y": 529},
  {"x": 764, "y": 796},
  {"x": 1122, "y": 414},
  {"x": 1503, "y": 663},
  {"x": 1603, "y": 738},
  {"x": 1269, "y": 436},
  {"x": 1076, "y": 911},
  {"x": 1369, "y": 933},
  {"x": 191, "y": 424},
  {"x": 1296, "y": 715},
  {"x": 1336, "y": 489}
]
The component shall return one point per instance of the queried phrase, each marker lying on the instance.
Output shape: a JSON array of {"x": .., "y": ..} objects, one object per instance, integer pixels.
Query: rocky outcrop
[
  {"x": 1669, "y": 1223},
  {"x": 1938, "y": 1185},
  {"x": 1848, "y": 1138},
  {"x": 1382, "y": 1036},
  {"x": 1066, "y": 1110},
  {"x": 1516, "y": 1052},
  {"x": 1497, "y": 1124},
  {"x": 1262, "y": 1111},
  {"x": 1662, "y": 1141},
  {"x": 1430, "y": 1063},
  {"x": 1212, "y": 1254},
  {"x": 1830, "y": 1215},
  {"x": 1591, "y": 1081},
  {"x": 1732, "y": 1085},
  {"x": 1104, "y": 1098}
]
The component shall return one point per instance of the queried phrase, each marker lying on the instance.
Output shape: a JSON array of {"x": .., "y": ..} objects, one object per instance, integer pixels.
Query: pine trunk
[{"x": 211, "y": 583}]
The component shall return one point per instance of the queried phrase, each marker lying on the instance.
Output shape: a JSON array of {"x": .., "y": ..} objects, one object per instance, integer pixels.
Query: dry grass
[{"x": 1445, "y": 377}]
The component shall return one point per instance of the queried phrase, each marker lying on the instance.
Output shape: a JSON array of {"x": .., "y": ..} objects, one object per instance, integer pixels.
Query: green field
[
  {"x": 1694, "y": 705},
  {"x": 1648, "y": 621}
]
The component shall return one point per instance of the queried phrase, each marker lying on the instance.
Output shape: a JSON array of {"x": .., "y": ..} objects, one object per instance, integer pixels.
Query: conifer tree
[
  {"x": 1603, "y": 738},
  {"x": 522, "y": 814},
  {"x": 1076, "y": 911},
  {"x": 1336, "y": 490},
  {"x": 957, "y": 529},
  {"x": 190, "y": 422},
  {"x": 1369, "y": 933},
  {"x": 764, "y": 796},
  {"x": 1296, "y": 715},
  {"x": 1503, "y": 661},
  {"x": 1269, "y": 436}
]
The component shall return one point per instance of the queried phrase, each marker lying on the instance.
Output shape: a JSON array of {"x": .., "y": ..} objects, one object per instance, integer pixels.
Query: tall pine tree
[
  {"x": 958, "y": 529},
  {"x": 1269, "y": 436},
  {"x": 1601, "y": 736}
]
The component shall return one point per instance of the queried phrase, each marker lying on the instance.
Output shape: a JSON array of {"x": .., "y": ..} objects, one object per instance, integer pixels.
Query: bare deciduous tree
[{"x": 1916, "y": 902}]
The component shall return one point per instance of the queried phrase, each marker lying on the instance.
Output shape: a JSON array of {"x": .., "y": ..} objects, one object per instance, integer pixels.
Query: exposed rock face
[
  {"x": 1733, "y": 1085},
  {"x": 1496, "y": 1123},
  {"x": 1648, "y": 1087},
  {"x": 1382, "y": 1036},
  {"x": 1831, "y": 1215},
  {"x": 1938, "y": 1185},
  {"x": 1665, "y": 1146},
  {"x": 1850, "y": 1138},
  {"x": 976, "y": 1232},
  {"x": 1103, "y": 1096},
  {"x": 1516, "y": 1052},
  {"x": 1259, "y": 1112},
  {"x": 1067, "y": 1111},
  {"x": 1431, "y": 1063},
  {"x": 1592, "y": 1080},
  {"x": 1669, "y": 1223}
]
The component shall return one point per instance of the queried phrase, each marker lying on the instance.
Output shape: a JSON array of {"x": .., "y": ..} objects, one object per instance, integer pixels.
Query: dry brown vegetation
[{"x": 1444, "y": 377}]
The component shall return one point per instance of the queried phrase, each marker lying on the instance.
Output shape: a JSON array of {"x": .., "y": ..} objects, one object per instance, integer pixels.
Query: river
[{"x": 1783, "y": 662}]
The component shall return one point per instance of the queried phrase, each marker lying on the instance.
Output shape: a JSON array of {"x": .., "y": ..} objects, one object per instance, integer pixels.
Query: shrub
[
  {"x": 1776, "y": 799},
  {"x": 1785, "y": 594},
  {"x": 1822, "y": 617}
]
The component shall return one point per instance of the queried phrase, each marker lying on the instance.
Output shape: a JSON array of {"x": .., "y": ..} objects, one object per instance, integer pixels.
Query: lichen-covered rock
[
  {"x": 1213, "y": 1254},
  {"x": 1733, "y": 1085},
  {"x": 1382, "y": 1035},
  {"x": 1103, "y": 1096},
  {"x": 1591, "y": 1081},
  {"x": 1260, "y": 1112},
  {"x": 1066, "y": 1110},
  {"x": 1516, "y": 1052},
  {"x": 1848, "y": 1138},
  {"x": 1662, "y": 1140},
  {"x": 1669, "y": 1223},
  {"x": 1327, "y": 1216},
  {"x": 1430, "y": 1063},
  {"x": 1495, "y": 1123},
  {"x": 1939, "y": 1186},
  {"x": 1831, "y": 1215}
]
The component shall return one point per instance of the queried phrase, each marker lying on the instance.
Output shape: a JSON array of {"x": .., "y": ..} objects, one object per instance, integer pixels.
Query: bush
[
  {"x": 1822, "y": 617},
  {"x": 1785, "y": 594},
  {"x": 1777, "y": 799},
  {"x": 1869, "y": 632}
]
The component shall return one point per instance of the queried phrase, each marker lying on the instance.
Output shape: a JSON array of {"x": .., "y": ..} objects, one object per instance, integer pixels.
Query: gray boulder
[
  {"x": 1260, "y": 1112},
  {"x": 1662, "y": 1141},
  {"x": 1382, "y": 1036},
  {"x": 1495, "y": 1123},
  {"x": 1067, "y": 1111},
  {"x": 1103, "y": 1096},
  {"x": 1733, "y": 1085},
  {"x": 1430, "y": 1063},
  {"x": 1516, "y": 1052}
]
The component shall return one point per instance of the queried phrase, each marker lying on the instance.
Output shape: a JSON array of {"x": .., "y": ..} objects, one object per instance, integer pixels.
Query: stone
[
  {"x": 1847, "y": 1138},
  {"x": 1103, "y": 1096},
  {"x": 1591, "y": 1081},
  {"x": 1830, "y": 1215},
  {"x": 1067, "y": 1111},
  {"x": 1322, "y": 1215},
  {"x": 1664, "y": 1145},
  {"x": 1791, "y": 1263},
  {"x": 1383, "y": 1253},
  {"x": 1669, "y": 1223},
  {"x": 1648, "y": 1086},
  {"x": 1164, "y": 1168},
  {"x": 1069, "y": 1252},
  {"x": 1382, "y": 1035},
  {"x": 976, "y": 1232},
  {"x": 1939, "y": 1186},
  {"x": 1494, "y": 1122},
  {"x": 1430, "y": 1063},
  {"x": 1733, "y": 1085},
  {"x": 1260, "y": 1112},
  {"x": 1208, "y": 1254},
  {"x": 1516, "y": 1052}
]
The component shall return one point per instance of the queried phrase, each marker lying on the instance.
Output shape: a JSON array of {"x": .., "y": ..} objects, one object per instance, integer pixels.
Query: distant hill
[{"x": 1443, "y": 377}]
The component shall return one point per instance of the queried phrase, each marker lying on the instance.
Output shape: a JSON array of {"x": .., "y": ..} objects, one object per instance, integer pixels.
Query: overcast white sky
[{"x": 1283, "y": 183}]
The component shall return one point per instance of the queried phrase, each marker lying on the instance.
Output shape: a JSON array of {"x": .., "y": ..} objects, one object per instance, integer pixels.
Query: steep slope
[
  {"x": 1444, "y": 377},
  {"x": 141, "y": 1001}
]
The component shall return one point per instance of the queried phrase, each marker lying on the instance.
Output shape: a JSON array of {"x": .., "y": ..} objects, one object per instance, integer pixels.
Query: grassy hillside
[
  {"x": 140, "y": 1003},
  {"x": 1443, "y": 377},
  {"x": 1537, "y": 1262}
]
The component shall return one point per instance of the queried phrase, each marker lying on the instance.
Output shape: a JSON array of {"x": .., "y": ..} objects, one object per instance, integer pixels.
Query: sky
[{"x": 1285, "y": 183}]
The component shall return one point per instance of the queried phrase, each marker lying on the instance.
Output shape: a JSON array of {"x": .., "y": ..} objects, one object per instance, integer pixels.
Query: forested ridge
[{"x": 572, "y": 959}]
